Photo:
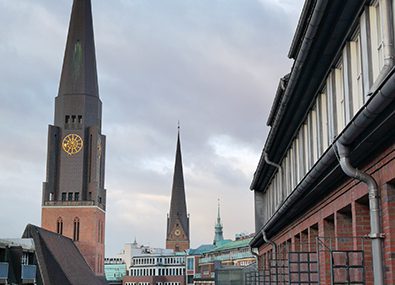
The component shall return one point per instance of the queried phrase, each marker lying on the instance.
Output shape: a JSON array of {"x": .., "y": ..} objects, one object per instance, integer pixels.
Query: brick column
[
  {"x": 296, "y": 243},
  {"x": 326, "y": 228},
  {"x": 304, "y": 240},
  {"x": 388, "y": 224},
  {"x": 343, "y": 230},
  {"x": 361, "y": 228},
  {"x": 313, "y": 234}
]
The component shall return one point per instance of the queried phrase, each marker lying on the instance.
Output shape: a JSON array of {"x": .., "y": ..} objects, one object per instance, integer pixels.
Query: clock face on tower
[
  {"x": 177, "y": 232},
  {"x": 72, "y": 144}
]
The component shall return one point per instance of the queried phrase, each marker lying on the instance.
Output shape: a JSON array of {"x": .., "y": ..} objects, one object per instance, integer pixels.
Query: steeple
[
  {"x": 74, "y": 197},
  {"x": 79, "y": 75},
  {"x": 178, "y": 220},
  {"x": 218, "y": 228}
]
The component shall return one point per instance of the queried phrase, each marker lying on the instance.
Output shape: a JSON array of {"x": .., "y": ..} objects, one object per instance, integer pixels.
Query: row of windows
[
  {"x": 344, "y": 93},
  {"x": 157, "y": 271},
  {"x": 69, "y": 196},
  {"x": 72, "y": 121},
  {"x": 76, "y": 228},
  {"x": 156, "y": 260}
]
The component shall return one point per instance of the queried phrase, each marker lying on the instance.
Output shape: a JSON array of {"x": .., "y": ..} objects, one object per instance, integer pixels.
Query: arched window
[
  {"x": 76, "y": 235},
  {"x": 59, "y": 226}
]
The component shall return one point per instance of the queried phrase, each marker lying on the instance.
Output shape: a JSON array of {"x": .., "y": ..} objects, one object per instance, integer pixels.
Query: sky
[{"x": 213, "y": 65}]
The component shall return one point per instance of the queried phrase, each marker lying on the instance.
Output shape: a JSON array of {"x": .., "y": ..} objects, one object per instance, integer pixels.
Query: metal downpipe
[
  {"x": 374, "y": 208},
  {"x": 280, "y": 170},
  {"x": 274, "y": 254}
]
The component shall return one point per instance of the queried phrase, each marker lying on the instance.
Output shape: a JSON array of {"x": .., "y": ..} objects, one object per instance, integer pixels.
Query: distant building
[
  {"x": 324, "y": 186},
  {"x": 132, "y": 249},
  {"x": 229, "y": 255},
  {"x": 44, "y": 258},
  {"x": 192, "y": 262},
  {"x": 160, "y": 267},
  {"x": 115, "y": 270},
  {"x": 177, "y": 234},
  {"x": 74, "y": 198}
]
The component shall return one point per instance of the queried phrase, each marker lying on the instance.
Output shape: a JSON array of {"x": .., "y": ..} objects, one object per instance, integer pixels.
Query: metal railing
[{"x": 332, "y": 260}]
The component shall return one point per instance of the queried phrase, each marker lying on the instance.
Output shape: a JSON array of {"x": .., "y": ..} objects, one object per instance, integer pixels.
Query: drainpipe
[
  {"x": 280, "y": 171},
  {"x": 274, "y": 254},
  {"x": 374, "y": 207}
]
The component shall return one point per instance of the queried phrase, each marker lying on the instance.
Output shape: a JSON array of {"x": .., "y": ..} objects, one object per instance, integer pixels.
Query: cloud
[{"x": 212, "y": 64}]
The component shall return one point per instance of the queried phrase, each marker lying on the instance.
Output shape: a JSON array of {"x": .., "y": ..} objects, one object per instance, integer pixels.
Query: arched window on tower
[
  {"x": 76, "y": 235},
  {"x": 59, "y": 226}
]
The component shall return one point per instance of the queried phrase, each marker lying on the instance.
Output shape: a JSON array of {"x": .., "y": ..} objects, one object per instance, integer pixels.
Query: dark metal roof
[
  {"x": 59, "y": 260},
  {"x": 79, "y": 75},
  {"x": 330, "y": 32},
  {"x": 178, "y": 206}
]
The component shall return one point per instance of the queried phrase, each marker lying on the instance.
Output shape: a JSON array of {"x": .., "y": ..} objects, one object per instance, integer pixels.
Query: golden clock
[
  {"x": 72, "y": 144},
  {"x": 177, "y": 232}
]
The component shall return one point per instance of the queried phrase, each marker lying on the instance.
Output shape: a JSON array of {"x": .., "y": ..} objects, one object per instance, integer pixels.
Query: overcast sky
[{"x": 214, "y": 65}]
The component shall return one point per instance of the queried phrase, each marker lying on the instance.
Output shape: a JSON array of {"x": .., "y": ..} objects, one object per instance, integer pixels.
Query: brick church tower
[
  {"x": 74, "y": 198},
  {"x": 178, "y": 220}
]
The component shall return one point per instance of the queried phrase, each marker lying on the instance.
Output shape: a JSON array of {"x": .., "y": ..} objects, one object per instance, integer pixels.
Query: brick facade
[
  {"x": 342, "y": 221},
  {"x": 90, "y": 240}
]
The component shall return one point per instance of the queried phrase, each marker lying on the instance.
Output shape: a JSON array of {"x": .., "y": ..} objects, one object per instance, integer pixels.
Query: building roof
[
  {"x": 59, "y": 260},
  {"x": 320, "y": 34},
  {"x": 201, "y": 249},
  {"x": 25, "y": 243},
  {"x": 232, "y": 245},
  {"x": 79, "y": 74}
]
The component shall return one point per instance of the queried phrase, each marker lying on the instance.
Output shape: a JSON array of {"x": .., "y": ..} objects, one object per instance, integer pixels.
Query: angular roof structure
[{"x": 59, "y": 260}]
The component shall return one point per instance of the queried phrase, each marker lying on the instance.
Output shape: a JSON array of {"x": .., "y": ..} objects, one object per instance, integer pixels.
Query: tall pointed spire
[
  {"x": 218, "y": 228},
  {"x": 74, "y": 196},
  {"x": 178, "y": 220},
  {"x": 79, "y": 75}
]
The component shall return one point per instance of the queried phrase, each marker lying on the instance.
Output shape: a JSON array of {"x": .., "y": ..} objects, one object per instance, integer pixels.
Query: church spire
[
  {"x": 218, "y": 228},
  {"x": 79, "y": 75},
  {"x": 178, "y": 220},
  {"x": 74, "y": 196}
]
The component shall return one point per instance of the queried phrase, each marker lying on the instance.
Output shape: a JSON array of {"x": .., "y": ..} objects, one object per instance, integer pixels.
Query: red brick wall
[
  {"x": 345, "y": 213},
  {"x": 182, "y": 245},
  {"x": 90, "y": 244}
]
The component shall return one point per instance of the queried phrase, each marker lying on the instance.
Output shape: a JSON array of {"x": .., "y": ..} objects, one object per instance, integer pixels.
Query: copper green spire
[
  {"x": 218, "y": 228},
  {"x": 79, "y": 75}
]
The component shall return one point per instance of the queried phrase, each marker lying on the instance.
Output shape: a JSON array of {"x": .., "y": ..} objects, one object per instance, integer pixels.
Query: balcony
[
  {"x": 73, "y": 203},
  {"x": 223, "y": 257},
  {"x": 3, "y": 272},
  {"x": 29, "y": 274}
]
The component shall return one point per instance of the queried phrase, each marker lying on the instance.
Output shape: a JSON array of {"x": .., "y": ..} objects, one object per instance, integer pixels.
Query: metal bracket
[{"x": 377, "y": 235}]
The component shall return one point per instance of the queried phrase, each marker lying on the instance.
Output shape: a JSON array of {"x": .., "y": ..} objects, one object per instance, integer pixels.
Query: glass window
[
  {"x": 324, "y": 120},
  {"x": 339, "y": 94},
  {"x": 376, "y": 37},
  {"x": 357, "y": 96},
  {"x": 314, "y": 133},
  {"x": 331, "y": 103}
]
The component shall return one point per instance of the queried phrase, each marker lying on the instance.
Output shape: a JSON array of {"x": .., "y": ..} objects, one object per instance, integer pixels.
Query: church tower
[
  {"x": 74, "y": 198},
  {"x": 219, "y": 236},
  {"x": 178, "y": 220}
]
